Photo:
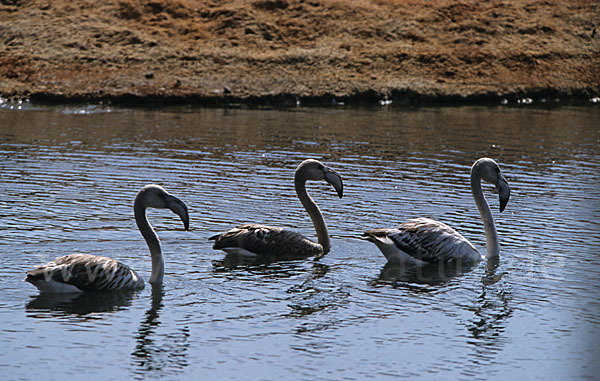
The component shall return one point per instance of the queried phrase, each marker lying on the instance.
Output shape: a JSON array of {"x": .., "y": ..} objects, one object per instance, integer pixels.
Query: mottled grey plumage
[
  {"x": 84, "y": 272},
  {"x": 263, "y": 240},
  {"x": 260, "y": 240},
  {"x": 87, "y": 273},
  {"x": 423, "y": 240}
]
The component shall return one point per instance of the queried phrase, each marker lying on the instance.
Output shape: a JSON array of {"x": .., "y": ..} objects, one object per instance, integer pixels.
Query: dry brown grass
[{"x": 305, "y": 48}]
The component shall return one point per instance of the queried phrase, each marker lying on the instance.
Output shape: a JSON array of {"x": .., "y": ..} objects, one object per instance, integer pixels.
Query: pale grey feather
[
  {"x": 422, "y": 240},
  {"x": 427, "y": 240},
  {"x": 87, "y": 273}
]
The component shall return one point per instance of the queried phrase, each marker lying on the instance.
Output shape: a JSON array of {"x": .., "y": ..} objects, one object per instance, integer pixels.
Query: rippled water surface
[{"x": 69, "y": 176}]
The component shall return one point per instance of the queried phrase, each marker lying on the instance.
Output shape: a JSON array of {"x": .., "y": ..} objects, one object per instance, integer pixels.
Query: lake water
[{"x": 69, "y": 176}]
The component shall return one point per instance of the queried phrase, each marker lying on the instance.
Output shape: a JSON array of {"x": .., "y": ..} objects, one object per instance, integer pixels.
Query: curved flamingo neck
[
  {"x": 491, "y": 235},
  {"x": 158, "y": 265},
  {"x": 313, "y": 211}
]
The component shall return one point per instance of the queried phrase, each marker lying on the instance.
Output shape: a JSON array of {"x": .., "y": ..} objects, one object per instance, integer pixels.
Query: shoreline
[
  {"x": 285, "y": 52},
  {"x": 402, "y": 98}
]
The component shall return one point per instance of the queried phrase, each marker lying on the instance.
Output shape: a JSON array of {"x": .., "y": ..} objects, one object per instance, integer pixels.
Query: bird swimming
[
  {"x": 86, "y": 273},
  {"x": 254, "y": 240},
  {"x": 423, "y": 240}
]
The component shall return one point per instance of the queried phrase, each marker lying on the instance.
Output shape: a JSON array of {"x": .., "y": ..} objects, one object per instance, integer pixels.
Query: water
[{"x": 69, "y": 176}]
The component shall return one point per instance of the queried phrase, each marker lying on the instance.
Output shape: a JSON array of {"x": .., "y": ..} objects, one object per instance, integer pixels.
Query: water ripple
[{"x": 69, "y": 177}]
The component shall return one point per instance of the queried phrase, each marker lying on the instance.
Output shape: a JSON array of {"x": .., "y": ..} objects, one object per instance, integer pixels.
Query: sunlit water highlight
[{"x": 69, "y": 176}]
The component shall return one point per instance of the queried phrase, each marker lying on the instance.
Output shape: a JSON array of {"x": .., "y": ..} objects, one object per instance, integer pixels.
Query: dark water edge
[{"x": 398, "y": 97}]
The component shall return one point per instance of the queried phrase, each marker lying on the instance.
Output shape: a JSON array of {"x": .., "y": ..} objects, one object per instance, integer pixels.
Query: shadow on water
[
  {"x": 79, "y": 303},
  {"x": 490, "y": 277},
  {"x": 491, "y": 310},
  {"x": 491, "y": 307},
  {"x": 233, "y": 260},
  {"x": 415, "y": 277},
  {"x": 263, "y": 265},
  {"x": 159, "y": 353},
  {"x": 310, "y": 296},
  {"x": 314, "y": 295}
]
